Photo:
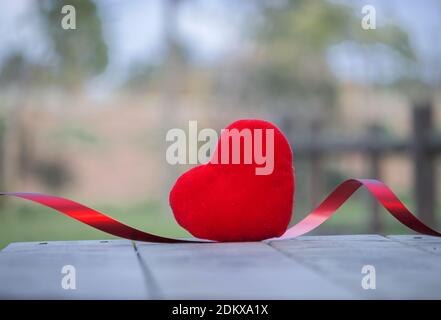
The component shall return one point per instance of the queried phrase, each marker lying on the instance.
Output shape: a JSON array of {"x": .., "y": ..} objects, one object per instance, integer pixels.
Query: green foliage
[
  {"x": 16, "y": 70},
  {"x": 82, "y": 52},
  {"x": 53, "y": 173},
  {"x": 389, "y": 35},
  {"x": 71, "y": 134}
]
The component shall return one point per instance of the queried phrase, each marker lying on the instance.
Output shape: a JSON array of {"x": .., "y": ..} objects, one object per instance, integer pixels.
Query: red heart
[{"x": 230, "y": 202}]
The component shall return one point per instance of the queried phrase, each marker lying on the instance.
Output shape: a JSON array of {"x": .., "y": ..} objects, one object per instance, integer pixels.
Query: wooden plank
[
  {"x": 307, "y": 267},
  {"x": 232, "y": 271},
  {"x": 104, "y": 270},
  {"x": 426, "y": 243},
  {"x": 402, "y": 272}
]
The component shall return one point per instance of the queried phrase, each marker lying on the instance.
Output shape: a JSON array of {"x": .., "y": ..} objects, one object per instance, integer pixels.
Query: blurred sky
[{"x": 210, "y": 29}]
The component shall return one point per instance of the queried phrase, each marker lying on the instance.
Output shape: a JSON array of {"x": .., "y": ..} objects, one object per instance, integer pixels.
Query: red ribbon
[{"x": 322, "y": 213}]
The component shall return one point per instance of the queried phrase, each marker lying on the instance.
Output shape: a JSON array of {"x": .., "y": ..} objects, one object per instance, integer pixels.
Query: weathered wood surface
[
  {"x": 104, "y": 269},
  {"x": 402, "y": 271},
  {"x": 311, "y": 267}
]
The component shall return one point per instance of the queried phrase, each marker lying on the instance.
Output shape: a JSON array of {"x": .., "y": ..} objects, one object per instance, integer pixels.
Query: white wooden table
[{"x": 310, "y": 267}]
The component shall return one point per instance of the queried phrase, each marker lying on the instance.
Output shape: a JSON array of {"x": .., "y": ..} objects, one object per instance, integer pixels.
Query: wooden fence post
[
  {"x": 315, "y": 165},
  {"x": 374, "y": 136},
  {"x": 424, "y": 170}
]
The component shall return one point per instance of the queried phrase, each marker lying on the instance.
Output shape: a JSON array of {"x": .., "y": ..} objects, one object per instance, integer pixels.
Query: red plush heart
[{"x": 230, "y": 202}]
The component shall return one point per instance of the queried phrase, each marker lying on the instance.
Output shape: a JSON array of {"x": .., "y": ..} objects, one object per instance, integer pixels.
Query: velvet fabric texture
[{"x": 231, "y": 202}]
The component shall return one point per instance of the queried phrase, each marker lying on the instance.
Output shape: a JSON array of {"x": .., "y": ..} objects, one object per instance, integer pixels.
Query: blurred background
[{"x": 84, "y": 112}]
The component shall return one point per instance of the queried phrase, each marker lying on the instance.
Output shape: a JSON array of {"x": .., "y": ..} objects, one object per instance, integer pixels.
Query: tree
[
  {"x": 293, "y": 39},
  {"x": 81, "y": 52}
]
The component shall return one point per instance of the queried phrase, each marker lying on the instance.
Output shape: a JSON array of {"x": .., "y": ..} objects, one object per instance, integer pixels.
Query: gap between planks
[{"x": 404, "y": 267}]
